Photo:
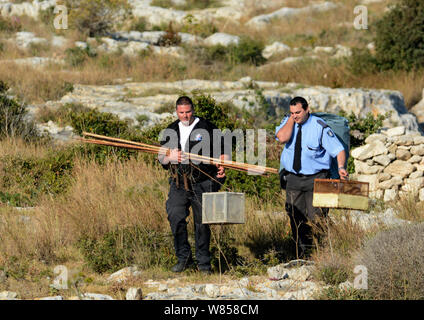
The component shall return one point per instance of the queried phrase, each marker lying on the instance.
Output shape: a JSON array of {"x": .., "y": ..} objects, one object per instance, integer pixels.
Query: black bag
[{"x": 283, "y": 178}]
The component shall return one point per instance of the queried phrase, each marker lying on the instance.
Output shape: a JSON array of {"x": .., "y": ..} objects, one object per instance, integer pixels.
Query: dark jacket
[{"x": 171, "y": 139}]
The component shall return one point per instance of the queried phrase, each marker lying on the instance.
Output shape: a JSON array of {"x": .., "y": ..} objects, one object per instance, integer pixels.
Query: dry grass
[
  {"x": 339, "y": 240},
  {"x": 291, "y": 31},
  {"x": 408, "y": 208},
  {"x": 17, "y": 147},
  {"x": 103, "y": 199}
]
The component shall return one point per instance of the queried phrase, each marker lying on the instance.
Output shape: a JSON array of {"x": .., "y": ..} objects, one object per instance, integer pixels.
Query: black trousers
[
  {"x": 299, "y": 196},
  {"x": 177, "y": 207}
]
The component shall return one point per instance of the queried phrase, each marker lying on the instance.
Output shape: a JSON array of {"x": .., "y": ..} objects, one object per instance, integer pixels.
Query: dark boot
[{"x": 182, "y": 265}]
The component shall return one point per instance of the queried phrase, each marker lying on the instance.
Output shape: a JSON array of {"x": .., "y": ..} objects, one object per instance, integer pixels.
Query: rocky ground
[
  {"x": 392, "y": 161},
  {"x": 293, "y": 280},
  {"x": 130, "y": 99},
  {"x": 289, "y": 281}
]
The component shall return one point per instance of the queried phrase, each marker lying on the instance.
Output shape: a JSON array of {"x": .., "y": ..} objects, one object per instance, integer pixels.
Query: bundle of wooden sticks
[{"x": 121, "y": 143}]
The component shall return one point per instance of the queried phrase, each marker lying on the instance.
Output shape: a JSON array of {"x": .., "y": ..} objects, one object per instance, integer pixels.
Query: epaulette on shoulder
[{"x": 324, "y": 125}]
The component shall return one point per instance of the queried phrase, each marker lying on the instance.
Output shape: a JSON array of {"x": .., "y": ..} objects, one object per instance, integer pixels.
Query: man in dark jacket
[{"x": 189, "y": 180}]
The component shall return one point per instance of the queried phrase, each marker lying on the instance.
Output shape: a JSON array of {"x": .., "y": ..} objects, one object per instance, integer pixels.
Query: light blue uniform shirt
[{"x": 316, "y": 155}]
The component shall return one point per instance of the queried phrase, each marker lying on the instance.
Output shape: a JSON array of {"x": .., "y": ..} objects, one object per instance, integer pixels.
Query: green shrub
[
  {"x": 14, "y": 121},
  {"x": 224, "y": 254},
  {"x": 395, "y": 263},
  {"x": 34, "y": 176},
  {"x": 247, "y": 51},
  {"x": 77, "y": 56},
  {"x": 98, "y": 122},
  {"x": 142, "y": 119},
  {"x": 362, "y": 62},
  {"x": 360, "y": 129},
  {"x": 333, "y": 274},
  {"x": 14, "y": 199},
  {"x": 264, "y": 187},
  {"x": 60, "y": 115},
  {"x": 103, "y": 123},
  {"x": 221, "y": 114},
  {"x": 187, "y": 5},
  {"x": 15, "y": 268},
  {"x": 126, "y": 246},
  {"x": 139, "y": 25},
  {"x": 201, "y": 29},
  {"x": 399, "y": 41},
  {"x": 213, "y": 53}
]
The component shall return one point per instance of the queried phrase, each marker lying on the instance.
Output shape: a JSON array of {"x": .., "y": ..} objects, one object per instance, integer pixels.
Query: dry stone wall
[{"x": 392, "y": 163}]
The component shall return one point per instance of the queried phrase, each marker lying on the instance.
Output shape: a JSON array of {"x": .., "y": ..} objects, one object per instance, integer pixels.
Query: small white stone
[
  {"x": 52, "y": 298},
  {"x": 134, "y": 294},
  {"x": 96, "y": 296},
  {"x": 390, "y": 195},
  {"x": 421, "y": 194},
  {"x": 212, "y": 290},
  {"x": 416, "y": 174},
  {"x": 6, "y": 295},
  {"x": 397, "y": 131}
]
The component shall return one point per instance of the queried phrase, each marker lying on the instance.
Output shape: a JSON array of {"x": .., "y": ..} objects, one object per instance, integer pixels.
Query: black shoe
[
  {"x": 205, "y": 269},
  {"x": 182, "y": 265}
]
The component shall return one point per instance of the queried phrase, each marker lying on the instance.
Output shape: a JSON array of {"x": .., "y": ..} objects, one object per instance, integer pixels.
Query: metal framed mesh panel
[{"x": 223, "y": 208}]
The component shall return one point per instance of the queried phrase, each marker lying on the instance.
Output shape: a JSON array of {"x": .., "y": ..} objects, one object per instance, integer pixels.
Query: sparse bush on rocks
[
  {"x": 95, "y": 17},
  {"x": 139, "y": 25},
  {"x": 170, "y": 38},
  {"x": 395, "y": 263},
  {"x": 201, "y": 29},
  {"x": 14, "y": 121},
  {"x": 247, "y": 51},
  {"x": 331, "y": 268}
]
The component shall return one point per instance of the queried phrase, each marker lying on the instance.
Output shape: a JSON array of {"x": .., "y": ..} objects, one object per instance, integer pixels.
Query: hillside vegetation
[{"x": 99, "y": 209}]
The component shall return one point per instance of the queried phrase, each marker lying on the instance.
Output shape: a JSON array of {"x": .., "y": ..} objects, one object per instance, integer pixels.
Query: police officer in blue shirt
[{"x": 309, "y": 147}]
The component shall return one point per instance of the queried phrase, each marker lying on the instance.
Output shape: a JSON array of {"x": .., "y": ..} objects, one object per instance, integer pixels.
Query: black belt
[{"x": 309, "y": 175}]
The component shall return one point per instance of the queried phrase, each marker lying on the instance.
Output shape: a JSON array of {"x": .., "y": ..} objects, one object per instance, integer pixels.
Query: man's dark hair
[
  {"x": 300, "y": 100},
  {"x": 184, "y": 100}
]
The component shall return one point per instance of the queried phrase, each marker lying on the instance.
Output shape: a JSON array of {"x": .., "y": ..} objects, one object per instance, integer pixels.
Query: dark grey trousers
[
  {"x": 299, "y": 195},
  {"x": 177, "y": 207}
]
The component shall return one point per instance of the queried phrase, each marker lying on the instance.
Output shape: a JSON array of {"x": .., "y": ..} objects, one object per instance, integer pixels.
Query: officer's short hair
[
  {"x": 300, "y": 100},
  {"x": 184, "y": 100}
]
